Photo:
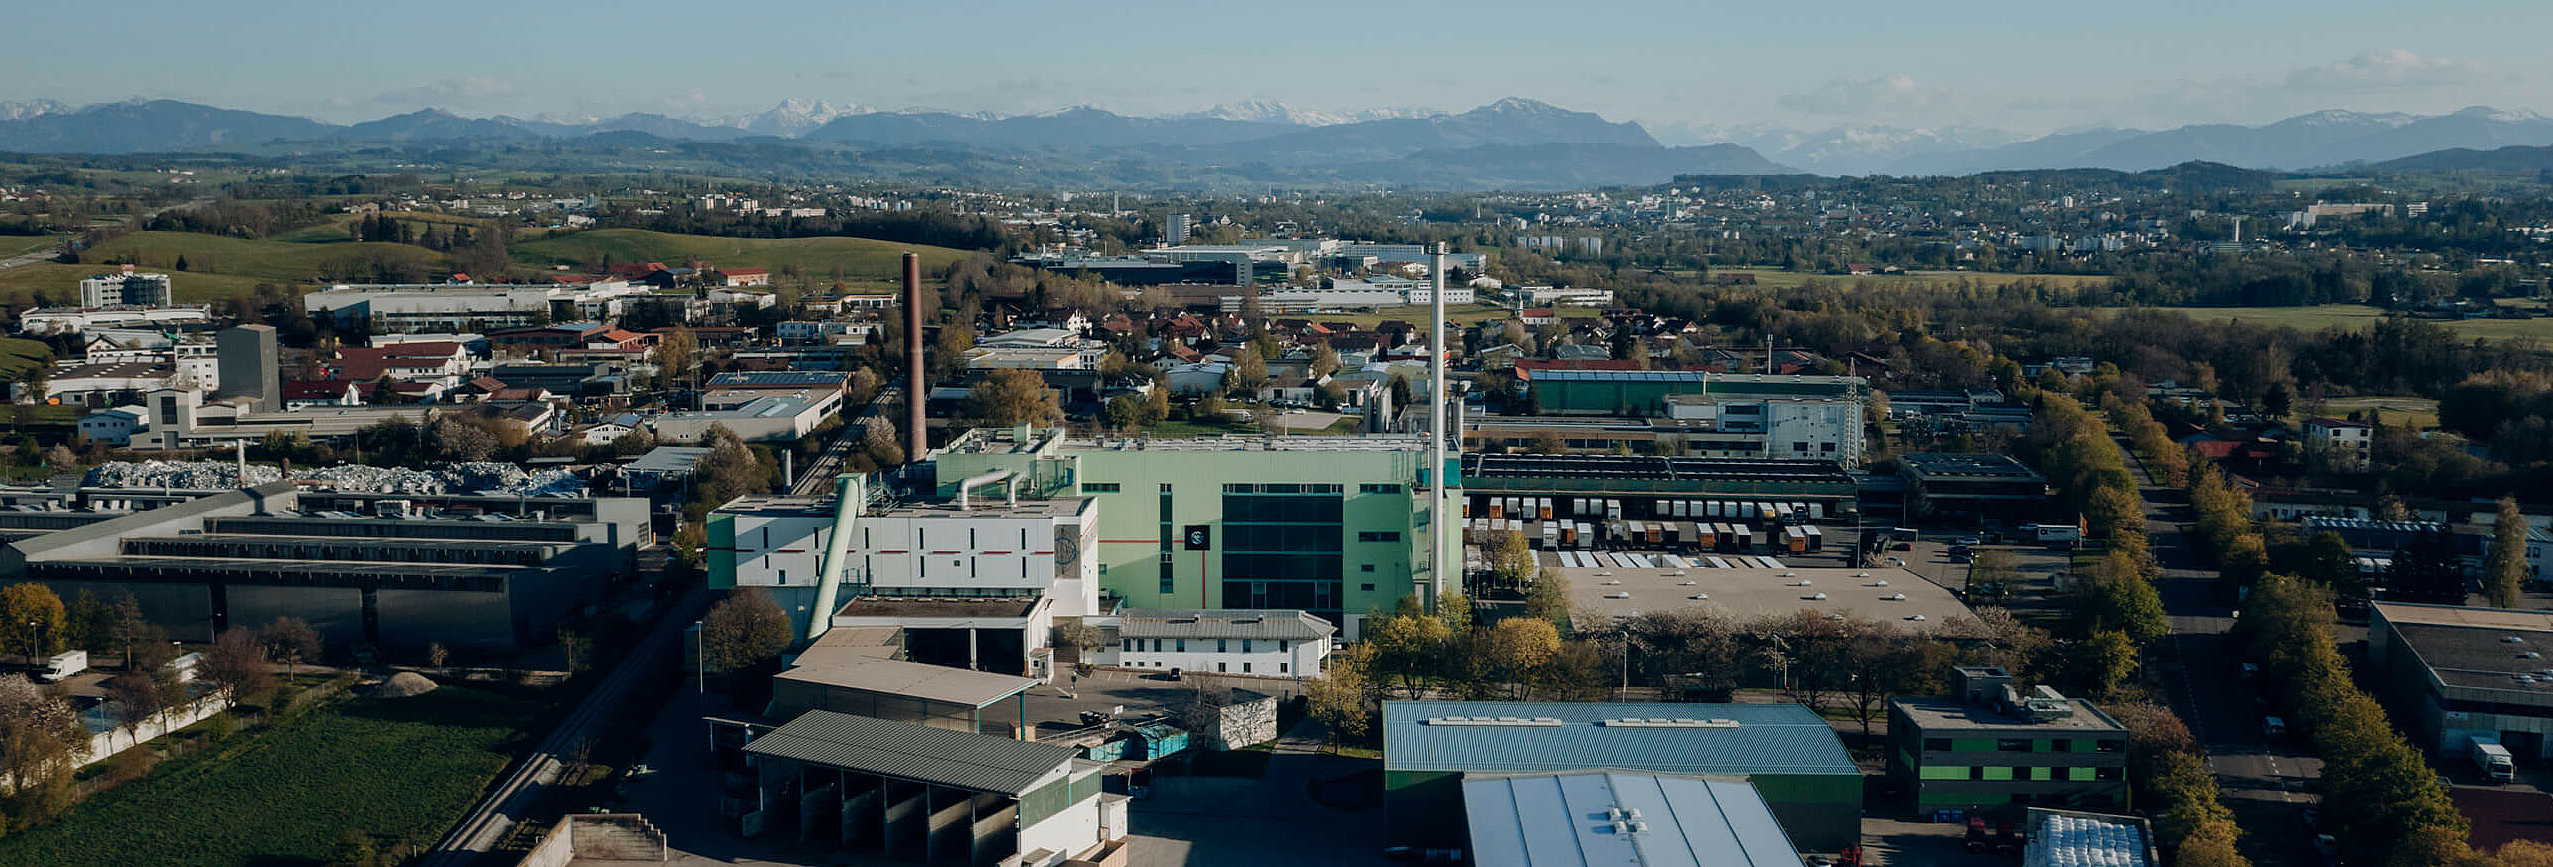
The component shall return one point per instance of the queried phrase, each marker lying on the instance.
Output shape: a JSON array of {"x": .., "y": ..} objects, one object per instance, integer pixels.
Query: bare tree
[
  {"x": 1202, "y": 716},
  {"x": 238, "y": 660},
  {"x": 138, "y": 697},
  {"x": 290, "y": 641},
  {"x": 41, "y": 740}
]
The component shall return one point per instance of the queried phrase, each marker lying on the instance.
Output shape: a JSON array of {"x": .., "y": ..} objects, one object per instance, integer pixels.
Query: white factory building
[
  {"x": 400, "y": 308},
  {"x": 1275, "y": 643}
]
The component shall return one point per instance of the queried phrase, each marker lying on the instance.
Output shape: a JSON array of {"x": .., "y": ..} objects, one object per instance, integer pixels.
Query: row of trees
[
  {"x": 2174, "y": 785},
  {"x": 2378, "y": 795}
]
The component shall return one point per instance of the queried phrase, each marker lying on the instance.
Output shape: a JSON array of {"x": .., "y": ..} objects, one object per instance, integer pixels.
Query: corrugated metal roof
[
  {"x": 963, "y": 760},
  {"x": 1571, "y": 819},
  {"x": 1768, "y": 738},
  {"x": 856, "y": 669},
  {"x": 1214, "y": 623}
]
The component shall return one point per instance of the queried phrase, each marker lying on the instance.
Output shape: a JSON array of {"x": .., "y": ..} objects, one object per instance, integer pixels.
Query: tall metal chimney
[
  {"x": 1436, "y": 475},
  {"x": 917, "y": 440}
]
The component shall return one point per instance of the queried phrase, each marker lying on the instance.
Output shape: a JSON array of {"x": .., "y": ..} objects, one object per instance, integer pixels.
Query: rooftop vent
[
  {"x": 1618, "y": 595},
  {"x": 1699, "y": 596},
  {"x": 1880, "y": 583},
  {"x": 1634, "y": 722},
  {"x": 1917, "y": 618},
  {"x": 2511, "y": 639},
  {"x": 1817, "y": 597},
  {"x": 1894, "y": 597},
  {"x": 1531, "y": 722}
]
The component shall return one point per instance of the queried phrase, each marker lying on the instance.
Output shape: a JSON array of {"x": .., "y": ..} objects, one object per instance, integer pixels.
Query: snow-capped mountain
[
  {"x": 792, "y": 116},
  {"x": 1263, "y": 111},
  {"x": 31, "y": 108}
]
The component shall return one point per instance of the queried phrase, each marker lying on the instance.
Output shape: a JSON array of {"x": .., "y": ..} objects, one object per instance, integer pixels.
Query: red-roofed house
[
  {"x": 306, "y": 393},
  {"x": 746, "y": 276},
  {"x": 441, "y": 361}
]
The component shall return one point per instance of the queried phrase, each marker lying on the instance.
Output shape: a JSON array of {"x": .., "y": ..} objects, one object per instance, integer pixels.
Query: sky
[{"x": 1675, "y": 65}]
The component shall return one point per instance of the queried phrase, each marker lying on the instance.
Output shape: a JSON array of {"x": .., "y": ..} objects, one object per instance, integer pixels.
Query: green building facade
[{"x": 1331, "y": 525}]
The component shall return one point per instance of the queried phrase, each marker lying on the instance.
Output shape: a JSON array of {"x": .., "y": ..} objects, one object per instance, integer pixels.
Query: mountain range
[{"x": 1511, "y": 142}]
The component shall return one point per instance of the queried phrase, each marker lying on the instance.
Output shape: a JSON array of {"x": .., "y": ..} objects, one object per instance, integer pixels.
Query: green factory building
[
  {"x": 1787, "y": 752},
  {"x": 1335, "y": 526}
]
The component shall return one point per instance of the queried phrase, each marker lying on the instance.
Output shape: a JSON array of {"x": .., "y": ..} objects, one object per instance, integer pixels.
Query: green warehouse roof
[{"x": 1527, "y": 737}]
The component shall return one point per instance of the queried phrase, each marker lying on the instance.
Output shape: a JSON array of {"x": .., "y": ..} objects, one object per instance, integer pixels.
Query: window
[
  {"x": 2105, "y": 773},
  {"x": 1168, "y": 586},
  {"x": 1182, "y": 645},
  {"x": 1996, "y": 773},
  {"x": 1828, "y": 448},
  {"x": 1245, "y": 668},
  {"x": 1281, "y": 644},
  {"x": 1281, "y": 669},
  {"x": 1379, "y": 536},
  {"x": 1365, "y": 567},
  {"x": 2108, "y": 746},
  {"x": 1368, "y": 588},
  {"x": 1221, "y": 646},
  {"x": 1219, "y": 668},
  {"x": 2042, "y": 774},
  {"x": 1936, "y": 745},
  {"x": 1165, "y": 487},
  {"x": 1799, "y": 447},
  {"x": 1944, "y": 772},
  {"x": 2013, "y": 745},
  {"x": 1099, "y": 487},
  {"x": 1245, "y": 648},
  {"x": 2079, "y": 775},
  {"x": 1378, "y": 489}
]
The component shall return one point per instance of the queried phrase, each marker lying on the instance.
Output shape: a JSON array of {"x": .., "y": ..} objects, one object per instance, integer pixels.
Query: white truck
[
  {"x": 64, "y": 664},
  {"x": 2490, "y": 757}
]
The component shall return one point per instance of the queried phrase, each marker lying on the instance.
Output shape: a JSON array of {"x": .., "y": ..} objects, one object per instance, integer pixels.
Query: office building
[
  {"x": 1972, "y": 485},
  {"x": 1994, "y": 745},
  {"x": 1432, "y": 750},
  {"x": 413, "y": 307},
  {"x": 250, "y": 369},
  {"x": 128, "y": 289},
  {"x": 1779, "y": 416},
  {"x": 1175, "y": 230},
  {"x": 2456, "y": 673},
  {"x": 1333, "y": 526}
]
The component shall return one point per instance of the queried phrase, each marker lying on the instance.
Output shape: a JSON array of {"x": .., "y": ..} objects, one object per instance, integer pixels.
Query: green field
[
  {"x": 2357, "y": 316},
  {"x": 399, "y": 769},
  {"x": 17, "y": 354},
  {"x": 220, "y": 267},
  {"x": 861, "y": 262},
  {"x": 2418, "y": 413}
]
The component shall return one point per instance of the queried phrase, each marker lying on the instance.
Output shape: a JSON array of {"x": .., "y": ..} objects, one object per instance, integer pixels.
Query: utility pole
[{"x": 1436, "y": 429}]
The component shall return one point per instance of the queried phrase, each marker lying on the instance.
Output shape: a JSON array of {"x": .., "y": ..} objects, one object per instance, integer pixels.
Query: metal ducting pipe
[
  {"x": 917, "y": 438},
  {"x": 963, "y": 503}
]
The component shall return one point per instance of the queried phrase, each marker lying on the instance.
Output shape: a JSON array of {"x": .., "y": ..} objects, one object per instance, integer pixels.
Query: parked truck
[
  {"x": 2490, "y": 757},
  {"x": 63, "y": 665}
]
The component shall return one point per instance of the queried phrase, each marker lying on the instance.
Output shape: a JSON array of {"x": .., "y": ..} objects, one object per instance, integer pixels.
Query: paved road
[
  {"x": 521, "y": 789},
  {"x": 2264, "y": 781}
]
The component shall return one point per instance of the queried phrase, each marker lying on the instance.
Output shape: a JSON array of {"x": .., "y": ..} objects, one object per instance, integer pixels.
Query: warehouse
[
  {"x": 1967, "y": 485},
  {"x": 1742, "y": 588},
  {"x": 1787, "y": 752},
  {"x": 2459, "y": 673},
  {"x": 1659, "y": 487},
  {"x": 1614, "y": 817},
  {"x": 477, "y": 573},
  {"x": 915, "y": 793}
]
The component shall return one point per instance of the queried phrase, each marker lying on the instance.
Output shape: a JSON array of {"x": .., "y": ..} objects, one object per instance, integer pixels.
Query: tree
[
  {"x": 1518, "y": 651},
  {"x": 1409, "y": 647},
  {"x": 32, "y": 619},
  {"x": 59, "y": 459},
  {"x": 1325, "y": 361},
  {"x": 742, "y": 631},
  {"x": 129, "y": 631},
  {"x": 1009, "y": 397},
  {"x": 238, "y": 660},
  {"x": 455, "y": 439},
  {"x": 2127, "y": 603},
  {"x": 2329, "y": 562},
  {"x": 436, "y": 655},
  {"x": 41, "y": 741},
  {"x": 1202, "y": 714},
  {"x": 290, "y": 641},
  {"x": 1548, "y": 442},
  {"x": 1511, "y": 563},
  {"x": 1548, "y": 599},
  {"x": 677, "y": 356},
  {"x": 1081, "y": 638},
  {"x": 2504, "y": 572},
  {"x": 1341, "y": 699},
  {"x": 137, "y": 697},
  {"x": 1249, "y": 370},
  {"x": 577, "y": 648},
  {"x": 2107, "y": 658}
]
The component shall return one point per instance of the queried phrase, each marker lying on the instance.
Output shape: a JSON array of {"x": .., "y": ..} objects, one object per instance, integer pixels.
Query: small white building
[
  {"x": 2349, "y": 443},
  {"x": 114, "y": 426},
  {"x": 1277, "y": 643}
]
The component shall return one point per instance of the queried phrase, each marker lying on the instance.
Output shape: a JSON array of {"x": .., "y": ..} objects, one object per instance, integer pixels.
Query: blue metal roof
[
  {"x": 1765, "y": 738},
  {"x": 1618, "y": 818}
]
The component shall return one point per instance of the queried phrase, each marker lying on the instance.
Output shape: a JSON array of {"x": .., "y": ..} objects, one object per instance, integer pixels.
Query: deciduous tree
[
  {"x": 2504, "y": 571},
  {"x": 742, "y": 631},
  {"x": 32, "y": 618}
]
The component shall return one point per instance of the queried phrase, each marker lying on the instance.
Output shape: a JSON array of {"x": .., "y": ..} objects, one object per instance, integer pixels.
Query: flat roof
[
  {"x": 2472, "y": 647},
  {"x": 852, "y": 668},
  {"x": 946, "y": 757},
  {"x": 1572, "y": 736},
  {"x": 1545, "y": 820},
  {"x": 1252, "y": 443},
  {"x": 926, "y": 606},
  {"x": 1748, "y": 591},
  {"x": 1947, "y": 715},
  {"x": 2062, "y": 838},
  {"x": 1966, "y": 465},
  {"x": 1491, "y": 465},
  {"x": 988, "y": 501}
]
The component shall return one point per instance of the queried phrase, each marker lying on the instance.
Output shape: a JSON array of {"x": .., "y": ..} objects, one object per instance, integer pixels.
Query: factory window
[
  {"x": 2013, "y": 745},
  {"x": 2105, "y": 773},
  {"x": 1245, "y": 645},
  {"x": 1099, "y": 487},
  {"x": 1222, "y": 667},
  {"x": 1826, "y": 447},
  {"x": 2079, "y": 775},
  {"x": 1998, "y": 774},
  {"x": 1282, "y": 644},
  {"x": 1365, "y": 567},
  {"x": 1379, "y": 536},
  {"x": 1944, "y": 772},
  {"x": 1245, "y": 668},
  {"x": 1368, "y": 588},
  {"x": 1222, "y": 646},
  {"x": 1281, "y": 669},
  {"x": 1378, "y": 489},
  {"x": 2109, "y": 746},
  {"x": 2042, "y": 774},
  {"x": 1181, "y": 646},
  {"x": 1799, "y": 447},
  {"x": 1936, "y": 745}
]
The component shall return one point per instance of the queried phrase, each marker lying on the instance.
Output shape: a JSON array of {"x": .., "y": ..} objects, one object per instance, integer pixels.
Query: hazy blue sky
[{"x": 2032, "y": 67}]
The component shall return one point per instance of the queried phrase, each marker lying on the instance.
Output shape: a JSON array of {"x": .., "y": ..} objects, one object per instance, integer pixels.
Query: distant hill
[
  {"x": 1566, "y": 166},
  {"x": 2514, "y": 159}
]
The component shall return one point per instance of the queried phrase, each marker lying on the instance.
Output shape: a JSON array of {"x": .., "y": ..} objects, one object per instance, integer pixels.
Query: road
[
  {"x": 520, "y": 790},
  {"x": 2264, "y": 781}
]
